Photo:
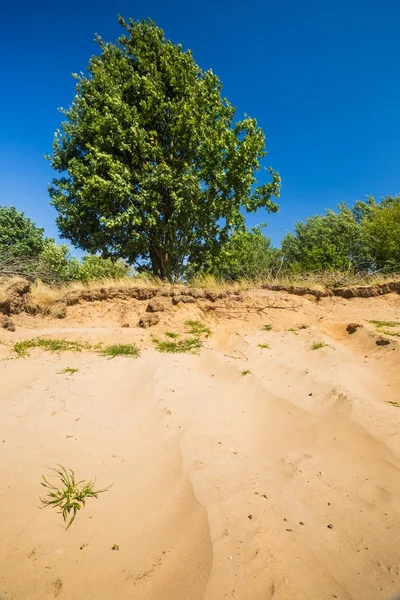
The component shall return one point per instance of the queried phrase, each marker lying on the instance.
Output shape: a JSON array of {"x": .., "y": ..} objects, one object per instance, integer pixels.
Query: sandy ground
[{"x": 283, "y": 483}]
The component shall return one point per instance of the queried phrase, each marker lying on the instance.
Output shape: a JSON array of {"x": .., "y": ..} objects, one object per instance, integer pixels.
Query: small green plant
[
  {"x": 115, "y": 547},
  {"x": 171, "y": 334},
  {"x": 68, "y": 371},
  {"x": 70, "y": 496},
  {"x": 386, "y": 323},
  {"x": 187, "y": 345},
  {"x": 266, "y": 327},
  {"x": 246, "y": 372},
  {"x": 197, "y": 328},
  {"x": 394, "y": 403},
  {"x": 293, "y": 330},
  {"x": 121, "y": 350},
  {"x": 318, "y": 345},
  {"x": 264, "y": 346},
  {"x": 58, "y": 345}
]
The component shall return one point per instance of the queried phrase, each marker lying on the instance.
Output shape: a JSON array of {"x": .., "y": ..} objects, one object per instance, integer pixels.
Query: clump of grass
[
  {"x": 293, "y": 330},
  {"x": 70, "y": 496},
  {"x": 264, "y": 346},
  {"x": 58, "y": 345},
  {"x": 68, "y": 371},
  {"x": 115, "y": 547},
  {"x": 197, "y": 328},
  {"x": 120, "y": 350},
  {"x": 318, "y": 345},
  {"x": 393, "y": 403},
  {"x": 192, "y": 345},
  {"x": 171, "y": 334},
  {"x": 386, "y": 323},
  {"x": 266, "y": 327},
  {"x": 246, "y": 372}
]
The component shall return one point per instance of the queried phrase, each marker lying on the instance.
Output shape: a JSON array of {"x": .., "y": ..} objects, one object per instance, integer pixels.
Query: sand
[{"x": 283, "y": 483}]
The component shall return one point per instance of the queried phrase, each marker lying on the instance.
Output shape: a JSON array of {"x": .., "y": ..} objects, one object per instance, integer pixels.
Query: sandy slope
[{"x": 223, "y": 485}]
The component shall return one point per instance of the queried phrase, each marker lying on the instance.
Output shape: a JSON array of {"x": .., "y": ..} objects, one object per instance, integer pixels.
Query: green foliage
[
  {"x": 380, "y": 235},
  {"x": 264, "y": 346},
  {"x": 266, "y": 327},
  {"x": 247, "y": 255},
  {"x": 19, "y": 236},
  {"x": 121, "y": 350},
  {"x": 386, "y": 323},
  {"x": 68, "y": 371},
  {"x": 192, "y": 344},
  {"x": 70, "y": 496},
  {"x": 171, "y": 334},
  {"x": 58, "y": 345},
  {"x": 246, "y": 372},
  {"x": 197, "y": 328},
  {"x": 318, "y": 345},
  {"x": 326, "y": 242},
  {"x": 153, "y": 164}
]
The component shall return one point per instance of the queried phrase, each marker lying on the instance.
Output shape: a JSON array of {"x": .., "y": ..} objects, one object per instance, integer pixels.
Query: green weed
[
  {"x": 58, "y": 345},
  {"x": 120, "y": 350},
  {"x": 264, "y": 346},
  {"x": 318, "y": 345},
  {"x": 197, "y": 328},
  {"x": 67, "y": 370},
  {"x": 386, "y": 323},
  {"x": 293, "y": 330},
  {"x": 246, "y": 372},
  {"x": 266, "y": 327},
  {"x": 172, "y": 335},
  {"x": 70, "y": 496},
  {"x": 187, "y": 345},
  {"x": 115, "y": 547}
]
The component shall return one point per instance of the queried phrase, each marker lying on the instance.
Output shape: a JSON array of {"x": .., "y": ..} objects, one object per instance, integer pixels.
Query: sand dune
[{"x": 283, "y": 483}]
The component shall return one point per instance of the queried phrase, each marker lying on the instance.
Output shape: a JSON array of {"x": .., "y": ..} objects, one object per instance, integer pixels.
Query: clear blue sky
[{"x": 322, "y": 78}]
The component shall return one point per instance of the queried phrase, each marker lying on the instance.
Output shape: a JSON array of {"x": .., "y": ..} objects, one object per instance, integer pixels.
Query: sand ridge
[{"x": 283, "y": 483}]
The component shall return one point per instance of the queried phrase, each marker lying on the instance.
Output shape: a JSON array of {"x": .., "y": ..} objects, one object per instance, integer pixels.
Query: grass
[
  {"x": 293, "y": 330},
  {"x": 197, "y": 328},
  {"x": 386, "y": 323},
  {"x": 246, "y": 372},
  {"x": 115, "y": 547},
  {"x": 264, "y": 346},
  {"x": 266, "y": 327},
  {"x": 120, "y": 350},
  {"x": 68, "y": 371},
  {"x": 318, "y": 345},
  {"x": 57, "y": 345},
  {"x": 393, "y": 403},
  {"x": 171, "y": 334},
  {"x": 70, "y": 496},
  {"x": 192, "y": 345}
]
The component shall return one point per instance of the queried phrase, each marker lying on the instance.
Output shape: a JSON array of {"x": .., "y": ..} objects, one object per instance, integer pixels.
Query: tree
[
  {"x": 153, "y": 167},
  {"x": 247, "y": 255},
  {"x": 19, "y": 236},
  {"x": 327, "y": 242},
  {"x": 380, "y": 234}
]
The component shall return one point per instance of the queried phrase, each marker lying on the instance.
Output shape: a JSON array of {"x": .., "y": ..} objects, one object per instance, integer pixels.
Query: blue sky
[{"x": 321, "y": 77}]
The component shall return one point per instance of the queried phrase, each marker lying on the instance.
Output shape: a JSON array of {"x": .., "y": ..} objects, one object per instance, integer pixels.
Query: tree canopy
[
  {"x": 153, "y": 166},
  {"x": 19, "y": 236}
]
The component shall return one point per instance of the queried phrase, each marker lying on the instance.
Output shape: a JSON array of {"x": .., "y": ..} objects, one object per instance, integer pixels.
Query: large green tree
[
  {"x": 380, "y": 235},
  {"x": 19, "y": 236},
  {"x": 153, "y": 166}
]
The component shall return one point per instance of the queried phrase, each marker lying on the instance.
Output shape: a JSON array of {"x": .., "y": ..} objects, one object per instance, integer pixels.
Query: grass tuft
[
  {"x": 386, "y": 323},
  {"x": 318, "y": 345},
  {"x": 246, "y": 372},
  {"x": 171, "y": 334},
  {"x": 120, "y": 350},
  {"x": 187, "y": 345},
  {"x": 58, "y": 345},
  {"x": 264, "y": 346},
  {"x": 266, "y": 327},
  {"x": 68, "y": 371},
  {"x": 70, "y": 496},
  {"x": 197, "y": 328},
  {"x": 293, "y": 330}
]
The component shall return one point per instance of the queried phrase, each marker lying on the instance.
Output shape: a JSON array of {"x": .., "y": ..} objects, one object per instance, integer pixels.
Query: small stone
[
  {"x": 330, "y": 526},
  {"x": 382, "y": 342},
  {"x": 289, "y": 529},
  {"x": 301, "y": 523},
  {"x": 149, "y": 320},
  {"x": 352, "y": 327},
  {"x": 250, "y": 517},
  {"x": 125, "y": 325}
]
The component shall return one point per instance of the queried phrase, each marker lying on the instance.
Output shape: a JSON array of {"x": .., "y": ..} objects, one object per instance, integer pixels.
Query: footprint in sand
[{"x": 55, "y": 587}]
